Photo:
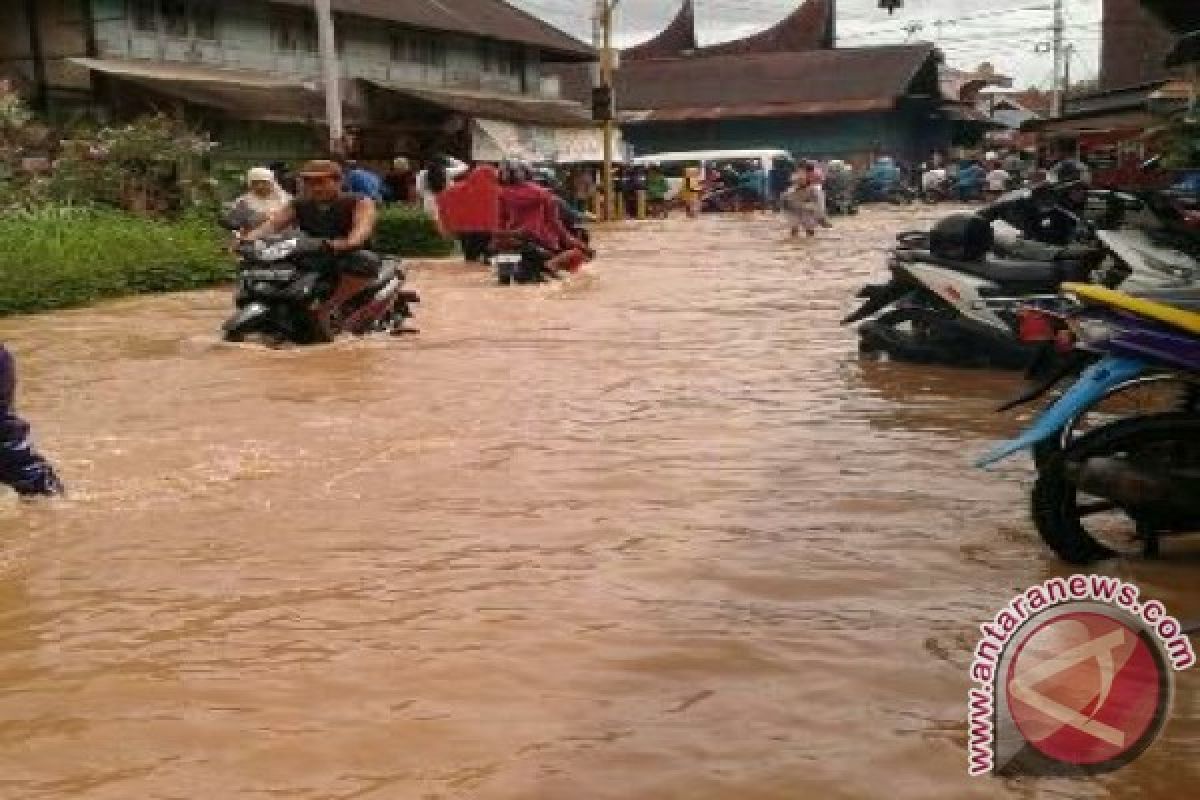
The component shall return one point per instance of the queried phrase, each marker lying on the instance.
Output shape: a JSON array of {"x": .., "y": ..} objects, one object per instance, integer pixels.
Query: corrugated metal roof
[
  {"x": 812, "y": 82},
  {"x": 491, "y": 19},
  {"x": 508, "y": 108},
  {"x": 809, "y": 27},
  {"x": 677, "y": 38},
  {"x": 246, "y": 94}
]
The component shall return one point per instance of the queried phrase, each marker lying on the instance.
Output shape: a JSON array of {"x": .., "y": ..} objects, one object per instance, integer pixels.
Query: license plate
[
  {"x": 506, "y": 259},
  {"x": 269, "y": 274}
]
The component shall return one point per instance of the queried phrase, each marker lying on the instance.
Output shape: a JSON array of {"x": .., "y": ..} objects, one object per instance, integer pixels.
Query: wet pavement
[{"x": 654, "y": 534}]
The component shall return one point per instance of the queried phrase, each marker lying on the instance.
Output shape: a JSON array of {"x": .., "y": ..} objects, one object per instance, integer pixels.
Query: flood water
[{"x": 655, "y": 534}]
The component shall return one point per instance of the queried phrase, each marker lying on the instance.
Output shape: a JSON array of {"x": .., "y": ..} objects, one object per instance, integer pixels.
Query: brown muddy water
[{"x": 656, "y": 534}]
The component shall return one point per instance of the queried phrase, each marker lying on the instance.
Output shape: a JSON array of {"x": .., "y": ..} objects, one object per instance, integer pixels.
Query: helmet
[
  {"x": 961, "y": 237},
  {"x": 1068, "y": 172}
]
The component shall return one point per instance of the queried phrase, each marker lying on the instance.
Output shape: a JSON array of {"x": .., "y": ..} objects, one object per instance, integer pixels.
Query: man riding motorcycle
[{"x": 344, "y": 221}]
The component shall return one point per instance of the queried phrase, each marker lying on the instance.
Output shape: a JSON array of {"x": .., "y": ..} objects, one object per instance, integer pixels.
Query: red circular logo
[{"x": 1086, "y": 689}]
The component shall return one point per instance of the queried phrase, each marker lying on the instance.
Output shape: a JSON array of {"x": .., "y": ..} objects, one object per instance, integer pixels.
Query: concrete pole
[
  {"x": 331, "y": 73},
  {"x": 606, "y": 79},
  {"x": 1058, "y": 57}
]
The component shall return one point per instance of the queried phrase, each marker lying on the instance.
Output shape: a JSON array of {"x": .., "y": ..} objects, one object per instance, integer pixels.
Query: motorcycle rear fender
[
  {"x": 962, "y": 292},
  {"x": 880, "y": 296},
  {"x": 1095, "y": 383}
]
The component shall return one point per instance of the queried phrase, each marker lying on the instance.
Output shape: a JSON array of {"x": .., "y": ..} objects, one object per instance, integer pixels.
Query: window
[
  {"x": 180, "y": 18},
  {"x": 175, "y": 17},
  {"x": 204, "y": 19},
  {"x": 145, "y": 15},
  {"x": 295, "y": 33},
  {"x": 411, "y": 48}
]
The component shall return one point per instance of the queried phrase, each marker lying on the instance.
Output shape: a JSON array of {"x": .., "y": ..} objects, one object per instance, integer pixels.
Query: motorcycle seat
[{"x": 1007, "y": 271}]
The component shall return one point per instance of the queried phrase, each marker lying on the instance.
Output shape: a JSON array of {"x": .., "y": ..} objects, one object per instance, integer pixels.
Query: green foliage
[
  {"x": 62, "y": 257},
  {"x": 409, "y": 232}
]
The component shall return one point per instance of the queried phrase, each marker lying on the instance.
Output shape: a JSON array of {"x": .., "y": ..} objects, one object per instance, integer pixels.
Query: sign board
[{"x": 497, "y": 140}]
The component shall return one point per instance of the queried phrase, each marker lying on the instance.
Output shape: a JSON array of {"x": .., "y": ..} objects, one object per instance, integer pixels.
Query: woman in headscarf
[{"x": 263, "y": 198}]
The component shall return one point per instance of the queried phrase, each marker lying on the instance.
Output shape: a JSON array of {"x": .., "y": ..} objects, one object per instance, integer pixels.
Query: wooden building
[{"x": 420, "y": 76}]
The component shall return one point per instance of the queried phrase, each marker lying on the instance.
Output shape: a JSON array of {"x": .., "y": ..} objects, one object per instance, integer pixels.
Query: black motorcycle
[{"x": 283, "y": 286}]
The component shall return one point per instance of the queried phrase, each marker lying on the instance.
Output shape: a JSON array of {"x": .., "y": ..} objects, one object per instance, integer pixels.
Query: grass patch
[
  {"x": 409, "y": 232},
  {"x": 64, "y": 257}
]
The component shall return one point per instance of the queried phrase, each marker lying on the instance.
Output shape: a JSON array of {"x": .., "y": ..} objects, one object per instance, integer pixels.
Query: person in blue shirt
[
  {"x": 21, "y": 467},
  {"x": 360, "y": 180},
  {"x": 971, "y": 179},
  {"x": 882, "y": 178}
]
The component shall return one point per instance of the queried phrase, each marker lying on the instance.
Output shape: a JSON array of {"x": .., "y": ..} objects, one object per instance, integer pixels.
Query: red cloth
[
  {"x": 472, "y": 205},
  {"x": 532, "y": 210}
]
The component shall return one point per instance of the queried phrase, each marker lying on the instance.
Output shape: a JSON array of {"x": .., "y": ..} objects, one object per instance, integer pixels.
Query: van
[{"x": 674, "y": 165}]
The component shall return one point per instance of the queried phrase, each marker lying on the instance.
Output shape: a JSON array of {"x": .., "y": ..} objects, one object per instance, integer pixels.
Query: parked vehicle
[
  {"x": 954, "y": 296},
  {"x": 899, "y": 194},
  {"x": 674, "y": 164},
  {"x": 1119, "y": 488},
  {"x": 283, "y": 284},
  {"x": 951, "y": 300}
]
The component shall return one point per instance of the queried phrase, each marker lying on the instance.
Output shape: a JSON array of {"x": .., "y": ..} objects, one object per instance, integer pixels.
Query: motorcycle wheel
[
  {"x": 1155, "y": 394},
  {"x": 909, "y": 334},
  {"x": 1082, "y": 529}
]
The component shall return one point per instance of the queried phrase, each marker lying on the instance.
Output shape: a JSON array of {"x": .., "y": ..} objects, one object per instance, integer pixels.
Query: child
[{"x": 802, "y": 204}]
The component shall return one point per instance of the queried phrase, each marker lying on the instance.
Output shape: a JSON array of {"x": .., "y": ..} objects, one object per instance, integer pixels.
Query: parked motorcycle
[
  {"x": 870, "y": 191},
  {"x": 1120, "y": 487},
  {"x": 284, "y": 283},
  {"x": 953, "y": 296},
  {"x": 951, "y": 300}
]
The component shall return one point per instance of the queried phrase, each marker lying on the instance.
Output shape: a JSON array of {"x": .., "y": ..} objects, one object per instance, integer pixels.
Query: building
[
  {"x": 786, "y": 87},
  {"x": 419, "y": 77},
  {"x": 1117, "y": 127}
]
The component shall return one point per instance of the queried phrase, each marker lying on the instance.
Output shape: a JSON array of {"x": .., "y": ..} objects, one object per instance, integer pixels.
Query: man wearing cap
[{"x": 345, "y": 221}]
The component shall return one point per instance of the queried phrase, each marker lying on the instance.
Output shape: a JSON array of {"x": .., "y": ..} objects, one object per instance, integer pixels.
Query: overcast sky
[{"x": 1006, "y": 32}]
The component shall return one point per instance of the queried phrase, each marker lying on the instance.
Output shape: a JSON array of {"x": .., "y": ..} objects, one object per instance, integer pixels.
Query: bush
[
  {"x": 61, "y": 257},
  {"x": 410, "y": 232}
]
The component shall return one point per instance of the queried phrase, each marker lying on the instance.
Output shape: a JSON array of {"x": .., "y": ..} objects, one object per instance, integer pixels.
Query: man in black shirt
[{"x": 345, "y": 221}]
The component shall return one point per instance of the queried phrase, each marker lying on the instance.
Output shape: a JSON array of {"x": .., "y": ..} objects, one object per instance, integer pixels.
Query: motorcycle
[
  {"x": 1120, "y": 487},
  {"x": 284, "y": 283},
  {"x": 965, "y": 311},
  {"x": 870, "y": 191},
  {"x": 943, "y": 305}
]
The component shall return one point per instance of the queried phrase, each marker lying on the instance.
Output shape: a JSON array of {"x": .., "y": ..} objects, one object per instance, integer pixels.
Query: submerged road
[{"x": 655, "y": 534}]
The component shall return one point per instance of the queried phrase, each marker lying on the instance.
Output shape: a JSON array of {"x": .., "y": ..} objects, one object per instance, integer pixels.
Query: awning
[
  {"x": 497, "y": 140},
  {"x": 764, "y": 110},
  {"x": 488, "y": 105},
  {"x": 1100, "y": 123},
  {"x": 244, "y": 94}
]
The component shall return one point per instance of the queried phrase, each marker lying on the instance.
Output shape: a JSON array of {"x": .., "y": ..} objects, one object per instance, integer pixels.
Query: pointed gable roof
[
  {"x": 678, "y": 38},
  {"x": 809, "y": 27}
]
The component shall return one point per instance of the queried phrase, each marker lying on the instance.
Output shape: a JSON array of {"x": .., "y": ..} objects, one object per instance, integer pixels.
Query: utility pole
[
  {"x": 1068, "y": 54},
  {"x": 604, "y": 15},
  {"x": 1058, "y": 57},
  {"x": 331, "y": 73}
]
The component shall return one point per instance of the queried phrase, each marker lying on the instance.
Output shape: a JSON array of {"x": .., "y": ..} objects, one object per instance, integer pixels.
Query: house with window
[{"x": 467, "y": 77}]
